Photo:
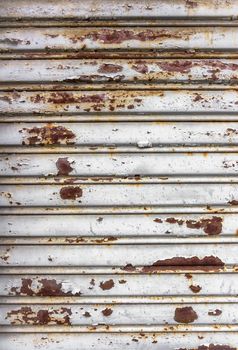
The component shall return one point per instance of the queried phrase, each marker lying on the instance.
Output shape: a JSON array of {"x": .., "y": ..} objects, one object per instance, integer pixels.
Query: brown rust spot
[
  {"x": 129, "y": 267},
  {"x": 71, "y": 192},
  {"x": 64, "y": 166},
  {"x": 26, "y": 315},
  {"x": 211, "y": 226},
  {"x": 107, "y": 312},
  {"x": 107, "y": 285},
  {"x": 48, "y": 134},
  {"x": 195, "y": 288},
  {"x": 207, "y": 263},
  {"x": 47, "y": 288},
  {"x": 185, "y": 315},
  {"x": 174, "y": 221},
  {"x": 158, "y": 220},
  {"x": 69, "y": 97},
  {"x": 233, "y": 202},
  {"x": 87, "y": 314},
  {"x": 110, "y": 68},
  {"x": 216, "y": 312}
]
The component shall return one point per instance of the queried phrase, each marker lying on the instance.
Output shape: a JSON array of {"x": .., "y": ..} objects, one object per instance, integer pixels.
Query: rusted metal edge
[
  {"x": 135, "y": 54},
  {"x": 114, "y": 86},
  {"x": 104, "y": 240},
  {"x": 119, "y": 9},
  {"x": 72, "y": 270},
  {"x": 121, "y": 329},
  {"x": 213, "y": 299},
  {"x": 114, "y": 150},
  {"x": 118, "y": 117},
  {"x": 130, "y": 22},
  {"x": 54, "y": 180},
  {"x": 117, "y": 210}
]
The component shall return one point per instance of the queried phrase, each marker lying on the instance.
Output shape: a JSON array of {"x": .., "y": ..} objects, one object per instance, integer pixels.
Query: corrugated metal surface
[{"x": 118, "y": 171}]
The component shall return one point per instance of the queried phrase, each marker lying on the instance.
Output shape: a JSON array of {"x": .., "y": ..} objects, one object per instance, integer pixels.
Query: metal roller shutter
[{"x": 119, "y": 162}]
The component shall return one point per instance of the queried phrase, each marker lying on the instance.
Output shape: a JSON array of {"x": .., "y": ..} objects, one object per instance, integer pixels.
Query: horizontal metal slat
[
  {"x": 118, "y": 9},
  {"x": 111, "y": 314},
  {"x": 151, "y": 256},
  {"x": 127, "y": 165},
  {"x": 105, "y": 70},
  {"x": 119, "y": 101},
  {"x": 121, "y": 38},
  {"x": 119, "y": 195},
  {"x": 190, "y": 340},
  {"x": 124, "y": 285},
  {"x": 161, "y": 225},
  {"x": 143, "y": 135}
]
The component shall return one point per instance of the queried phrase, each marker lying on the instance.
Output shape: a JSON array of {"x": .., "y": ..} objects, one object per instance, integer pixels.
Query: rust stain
[
  {"x": 118, "y": 36},
  {"x": 107, "y": 285},
  {"x": 47, "y": 288},
  {"x": 195, "y": 288},
  {"x": 216, "y": 312},
  {"x": 107, "y": 312},
  {"x": 191, "y": 4},
  {"x": 185, "y": 315},
  {"x": 87, "y": 314},
  {"x": 110, "y": 68},
  {"x": 176, "y": 66},
  {"x": 48, "y": 135},
  {"x": 69, "y": 97},
  {"x": 64, "y": 166},
  {"x": 129, "y": 267},
  {"x": 71, "y": 192},
  {"x": 208, "y": 263},
  {"x": 211, "y": 226},
  {"x": 26, "y": 315}
]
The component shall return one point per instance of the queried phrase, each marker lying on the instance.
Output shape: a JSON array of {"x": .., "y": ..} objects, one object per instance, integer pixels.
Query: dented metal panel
[{"x": 118, "y": 175}]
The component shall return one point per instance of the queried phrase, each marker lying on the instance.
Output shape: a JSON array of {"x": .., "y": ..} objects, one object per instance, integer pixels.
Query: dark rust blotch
[
  {"x": 107, "y": 285},
  {"x": 64, "y": 166},
  {"x": 107, "y": 312},
  {"x": 71, "y": 192},
  {"x": 185, "y": 315}
]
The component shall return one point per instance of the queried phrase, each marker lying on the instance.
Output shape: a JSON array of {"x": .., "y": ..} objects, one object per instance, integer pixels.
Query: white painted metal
[{"x": 118, "y": 175}]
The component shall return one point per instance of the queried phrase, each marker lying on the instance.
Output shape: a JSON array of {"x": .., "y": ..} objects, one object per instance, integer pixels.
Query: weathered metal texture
[{"x": 118, "y": 175}]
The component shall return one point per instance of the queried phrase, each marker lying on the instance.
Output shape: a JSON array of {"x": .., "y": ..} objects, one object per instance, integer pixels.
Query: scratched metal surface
[{"x": 118, "y": 175}]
